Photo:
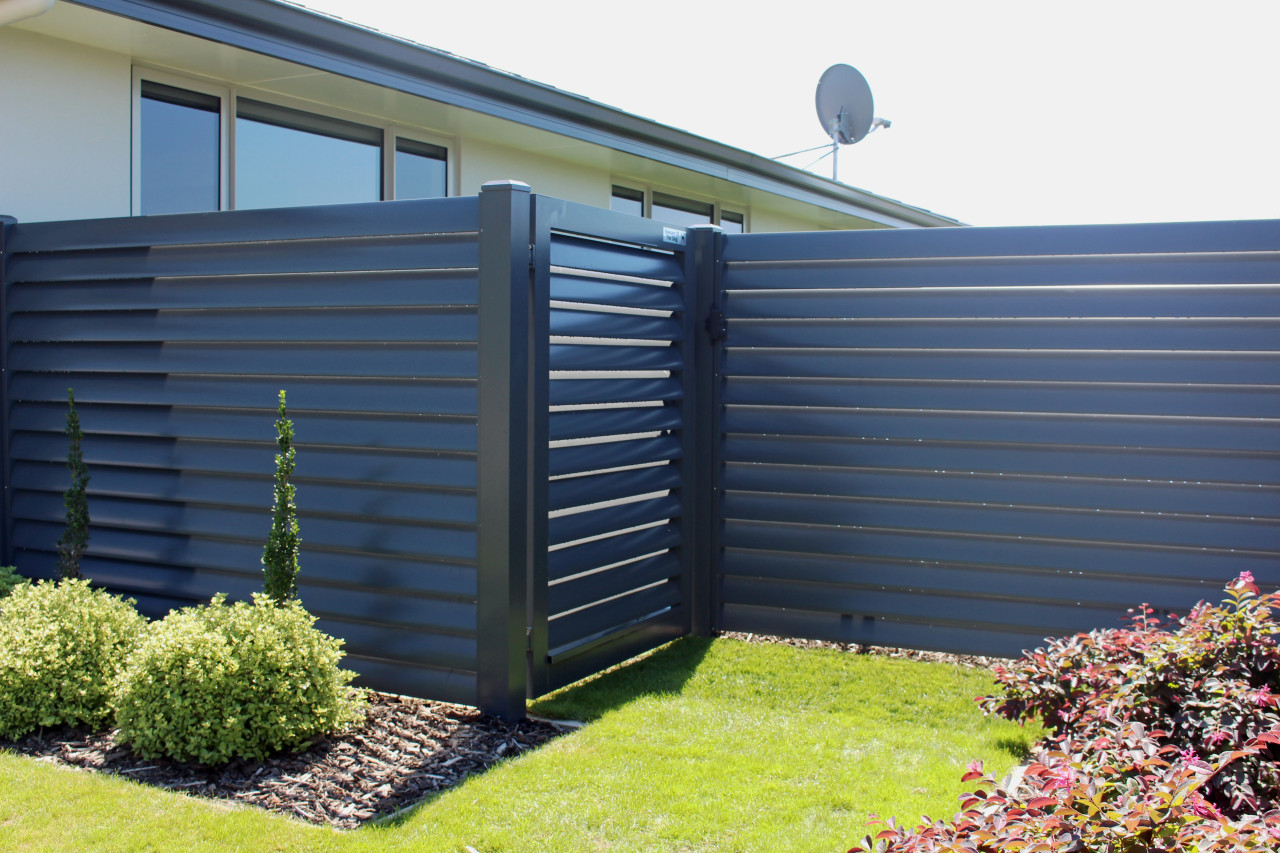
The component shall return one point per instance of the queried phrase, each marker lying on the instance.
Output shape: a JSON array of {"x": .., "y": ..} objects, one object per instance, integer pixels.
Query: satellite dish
[{"x": 845, "y": 107}]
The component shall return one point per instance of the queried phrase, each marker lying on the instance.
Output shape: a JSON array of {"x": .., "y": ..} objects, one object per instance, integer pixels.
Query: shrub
[
  {"x": 75, "y": 538},
  {"x": 1166, "y": 738},
  {"x": 1123, "y": 794},
  {"x": 218, "y": 682},
  {"x": 9, "y": 578},
  {"x": 280, "y": 557},
  {"x": 1210, "y": 686},
  {"x": 64, "y": 645}
]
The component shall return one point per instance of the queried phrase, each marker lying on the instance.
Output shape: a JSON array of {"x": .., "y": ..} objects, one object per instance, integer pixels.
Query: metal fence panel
[
  {"x": 969, "y": 439},
  {"x": 176, "y": 333}
]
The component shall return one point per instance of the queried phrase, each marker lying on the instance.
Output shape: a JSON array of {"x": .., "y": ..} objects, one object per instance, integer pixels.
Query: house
[{"x": 119, "y": 107}]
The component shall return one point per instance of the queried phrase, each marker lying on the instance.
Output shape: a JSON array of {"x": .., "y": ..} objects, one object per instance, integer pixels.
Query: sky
[{"x": 1003, "y": 113}]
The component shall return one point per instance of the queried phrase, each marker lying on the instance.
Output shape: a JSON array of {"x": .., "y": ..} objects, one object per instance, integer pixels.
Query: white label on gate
[{"x": 673, "y": 235}]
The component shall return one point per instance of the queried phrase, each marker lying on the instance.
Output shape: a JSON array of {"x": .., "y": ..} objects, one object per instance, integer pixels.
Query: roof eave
[{"x": 308, "y": 38}]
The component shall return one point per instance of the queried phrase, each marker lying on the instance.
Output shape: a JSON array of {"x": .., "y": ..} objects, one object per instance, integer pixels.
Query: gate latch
[{"x": 717, "y": 325}]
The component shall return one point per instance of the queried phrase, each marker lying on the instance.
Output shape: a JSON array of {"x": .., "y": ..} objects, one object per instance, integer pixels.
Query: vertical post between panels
[
  {"x": 503, "y": 465},
  {"x": 6, "y": 514},
  {"x": 703, "y": 342}
]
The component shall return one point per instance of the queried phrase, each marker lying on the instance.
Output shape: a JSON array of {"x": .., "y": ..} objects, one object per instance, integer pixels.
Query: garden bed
[{"x": 406, "y": 750}]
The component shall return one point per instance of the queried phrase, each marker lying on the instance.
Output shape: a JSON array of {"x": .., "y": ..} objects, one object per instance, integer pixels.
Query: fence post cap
[{"x": 508, "y": 184}]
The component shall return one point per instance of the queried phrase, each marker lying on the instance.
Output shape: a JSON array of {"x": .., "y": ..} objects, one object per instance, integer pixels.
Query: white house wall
[{"x": 64, "y": 129}]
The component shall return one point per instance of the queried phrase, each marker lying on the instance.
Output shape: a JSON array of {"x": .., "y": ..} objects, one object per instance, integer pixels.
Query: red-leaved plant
[{"x": 1165, "y": 738}]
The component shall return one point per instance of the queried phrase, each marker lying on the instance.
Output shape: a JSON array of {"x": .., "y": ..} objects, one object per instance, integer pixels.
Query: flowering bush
[{"x": 1167, "y": 737}]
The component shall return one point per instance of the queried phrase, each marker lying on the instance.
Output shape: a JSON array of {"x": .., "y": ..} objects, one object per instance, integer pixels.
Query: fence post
[
  {"x": 703, "y": 420},
  {"x": 6, "y": 513},
  {"x": 503, "y": 443}
]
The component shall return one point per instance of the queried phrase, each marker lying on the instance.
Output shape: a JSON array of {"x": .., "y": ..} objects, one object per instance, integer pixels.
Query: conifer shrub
[
  {"x": 280, "y": 557},
  {"x": 217, "y": 682},
  {"x": 9, "y": 578},
  {"x": 63, "y": 645},
  {"x": 75, "y": 537}
]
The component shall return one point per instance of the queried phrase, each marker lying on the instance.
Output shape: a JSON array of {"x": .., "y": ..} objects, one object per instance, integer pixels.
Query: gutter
[
  {"x": 12, "y": 11},
  {"x": 308, "y": 38}
]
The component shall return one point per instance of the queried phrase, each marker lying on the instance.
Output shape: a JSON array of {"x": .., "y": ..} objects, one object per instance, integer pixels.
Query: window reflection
[
  {"x": 681, "y": 211},
  {"x": 626, "y": 200},
  {"x": 287, "y": 158},
  {"x": 420, "y": 170},
  {"x": 179, "y": 150}
]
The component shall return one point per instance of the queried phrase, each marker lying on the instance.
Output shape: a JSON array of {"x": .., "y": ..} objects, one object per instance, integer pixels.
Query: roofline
[{"x": 315, "y": 40}]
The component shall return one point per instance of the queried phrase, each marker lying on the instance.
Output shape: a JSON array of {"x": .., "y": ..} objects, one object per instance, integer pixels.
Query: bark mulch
[{"x": 406, "y": 750}]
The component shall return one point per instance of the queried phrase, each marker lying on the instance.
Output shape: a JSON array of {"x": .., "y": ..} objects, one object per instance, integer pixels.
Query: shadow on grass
[
  {"x": 1019, "y": 746},
  {"x": 664, "y": 671},
  {"x": 661, "y": 672}
]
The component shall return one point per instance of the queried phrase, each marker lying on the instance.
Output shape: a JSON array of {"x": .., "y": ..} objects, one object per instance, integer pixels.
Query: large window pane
[
  {"x": 731, "y": 222},
  {"x": 680, "y": 211},
  {"x": 179, "y": 151},
  {"x": 421, "y": 170},
  {"x": 626, "y": 200},
  {"x": 287, "y": 157}
]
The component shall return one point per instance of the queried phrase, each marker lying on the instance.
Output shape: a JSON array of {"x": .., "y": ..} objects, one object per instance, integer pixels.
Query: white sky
[{"x": 1003, "y": 113}]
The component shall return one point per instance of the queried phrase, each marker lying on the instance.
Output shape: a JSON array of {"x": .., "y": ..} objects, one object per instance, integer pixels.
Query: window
[
  {"x": 180, "y": 150},
  {"x": 421, "y": 169},
  {"x": 282, "y": 157},
  {"x": 674, "y": 209},
  {"x": 288, "y": 158},
  {"x": 627, "y": 201},
  {"x": 681, "y": 211}
]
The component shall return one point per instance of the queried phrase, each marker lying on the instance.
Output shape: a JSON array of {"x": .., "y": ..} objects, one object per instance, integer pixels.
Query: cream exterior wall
[
  {"x": 64, "y": 129},
  {"x": 66, "y": 102}
]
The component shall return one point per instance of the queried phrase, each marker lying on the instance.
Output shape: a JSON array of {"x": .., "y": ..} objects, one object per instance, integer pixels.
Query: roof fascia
[{"x": 308, "y": 38}]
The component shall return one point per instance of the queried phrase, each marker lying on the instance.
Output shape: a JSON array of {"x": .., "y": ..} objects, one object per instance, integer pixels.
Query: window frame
[
  {"x": 229, "y": 95},
  {"x": 648, "y": 191}
]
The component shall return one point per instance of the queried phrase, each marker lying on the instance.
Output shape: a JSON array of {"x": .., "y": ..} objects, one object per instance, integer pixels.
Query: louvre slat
[
  {"x": 613, "y": 454},
  {"x": 614, "y": 259},
  {"x": 620, "y": 421},
  {"x": 581, "y": 491},
  {"x": 611, "y": 615},
  {"x": 570, "y": 528},
  {"x": 586, "y": 357},
  {"x": 570, "y": 392},
  {"x": 598, "y": 324},
  {"x": 586, "y": 590},
  {"x": 628, "y": 546},
  {"x": 577, "y": 288}
]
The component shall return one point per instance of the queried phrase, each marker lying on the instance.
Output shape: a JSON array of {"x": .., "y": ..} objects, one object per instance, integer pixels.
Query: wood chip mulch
[{"x": 406, "y": 750}]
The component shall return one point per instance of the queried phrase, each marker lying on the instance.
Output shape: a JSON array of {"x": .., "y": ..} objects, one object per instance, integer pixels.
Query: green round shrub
[
  {"x": 219, "y": 681},
  {"x": 63, "y": 645}
]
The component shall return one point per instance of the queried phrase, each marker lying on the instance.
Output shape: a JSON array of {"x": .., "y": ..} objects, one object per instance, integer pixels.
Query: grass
[{"x": 701, "y": 746}]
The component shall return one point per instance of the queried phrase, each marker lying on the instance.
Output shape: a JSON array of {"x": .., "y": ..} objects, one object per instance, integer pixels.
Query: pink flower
[
  {"x": 1203, "y": 808},
  {"x": 1263, "y": 697},
  {"x": 1246, "y": 577},
  {"x": 974, "y": 766},
  {"x": 1217, "y": 738}
]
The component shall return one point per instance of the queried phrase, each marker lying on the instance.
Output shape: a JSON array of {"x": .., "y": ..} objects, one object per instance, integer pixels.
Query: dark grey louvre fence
[
  {"x": 970, "y": 439},
  {"x": 177, "y": 332},
  {"x": 536, "y": 438}
]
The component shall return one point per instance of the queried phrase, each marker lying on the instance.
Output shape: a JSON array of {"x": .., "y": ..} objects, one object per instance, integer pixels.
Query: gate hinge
[{"x": 717, "y": 325}]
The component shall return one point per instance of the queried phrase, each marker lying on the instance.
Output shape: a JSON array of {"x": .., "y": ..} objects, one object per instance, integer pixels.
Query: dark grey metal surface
[
  {"x": 612, "y": 573},
  {"x": 177, "y": 332},
  {"x": 505, "y": 451},
  {"x": 970, "y": 439}
]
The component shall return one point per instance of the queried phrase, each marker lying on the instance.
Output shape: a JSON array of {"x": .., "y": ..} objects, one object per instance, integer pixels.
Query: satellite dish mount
[{"x": 845, "y": 108}]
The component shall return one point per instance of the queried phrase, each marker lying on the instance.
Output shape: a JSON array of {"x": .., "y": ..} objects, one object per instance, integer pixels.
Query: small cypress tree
[
  {"x": 280, "y": 558},
  {"x": 75, "y": 539}
]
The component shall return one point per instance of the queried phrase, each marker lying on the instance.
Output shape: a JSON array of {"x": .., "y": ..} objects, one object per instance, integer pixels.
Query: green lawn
[{"x": 702, "y": 746}]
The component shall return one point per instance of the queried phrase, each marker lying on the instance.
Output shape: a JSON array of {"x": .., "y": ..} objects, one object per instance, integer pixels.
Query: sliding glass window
[
  {"x": 179, "y": 150},
  {"x": 627, "y": 200},
  {"x": 287, "y": 157}
]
